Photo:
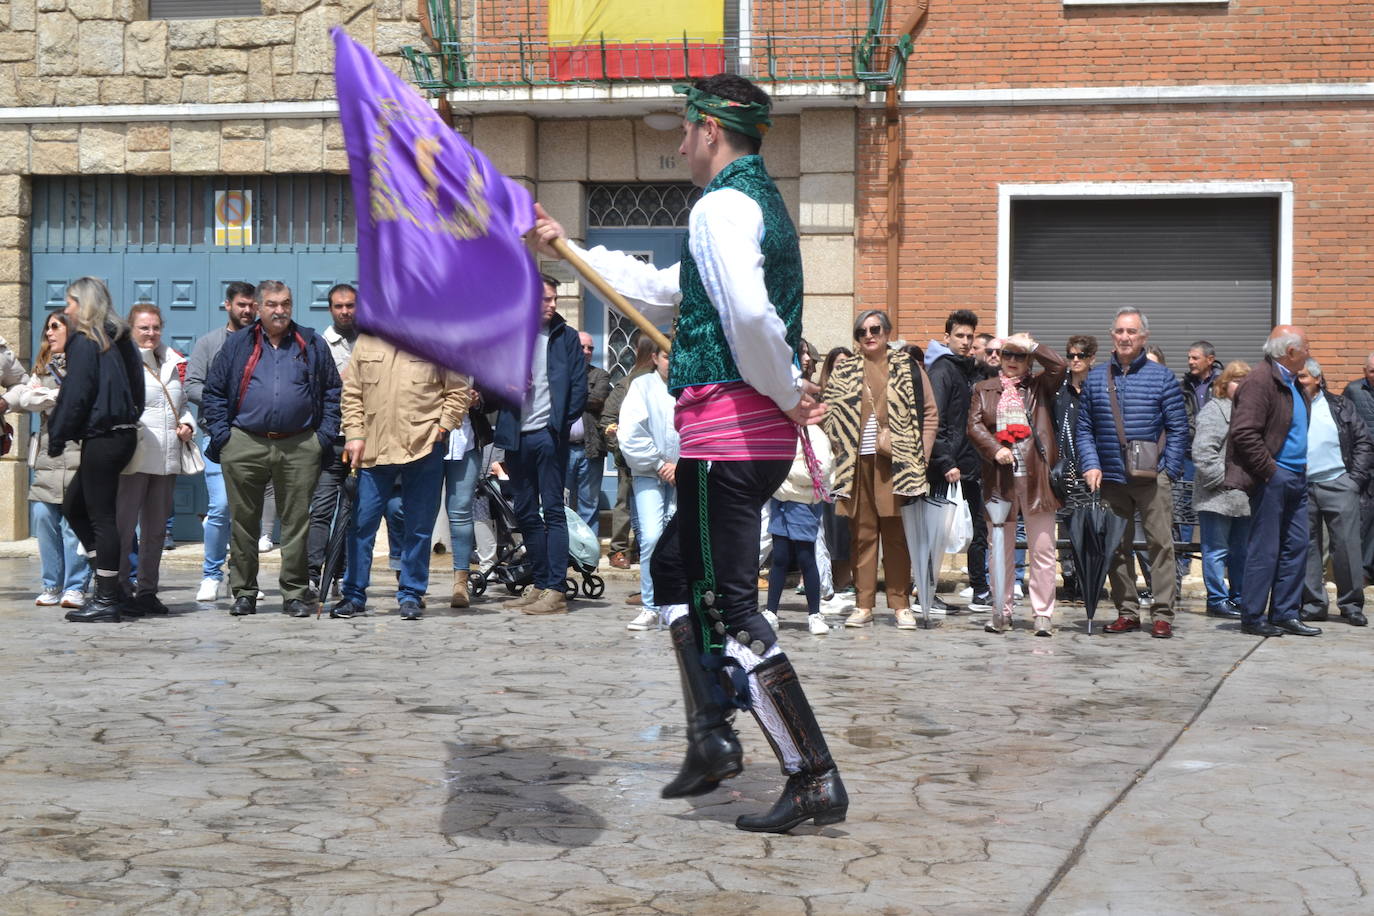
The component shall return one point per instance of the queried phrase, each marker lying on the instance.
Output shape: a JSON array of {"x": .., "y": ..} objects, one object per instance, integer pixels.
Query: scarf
[{"x": 1013, "y": 425}]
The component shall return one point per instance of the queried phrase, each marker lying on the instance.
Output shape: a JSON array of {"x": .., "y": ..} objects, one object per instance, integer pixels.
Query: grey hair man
[
  {"x": 1266, "y": 456},
  {"x": 1340, "y": 458},
  {"x": 1129, "y": 405}
]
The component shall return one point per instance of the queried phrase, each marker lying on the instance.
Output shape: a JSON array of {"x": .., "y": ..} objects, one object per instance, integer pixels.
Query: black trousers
[
  {"x": 322, "y": 503},
  {"x": 735, "y": 494},
  {"x": 89, "y": 504}
]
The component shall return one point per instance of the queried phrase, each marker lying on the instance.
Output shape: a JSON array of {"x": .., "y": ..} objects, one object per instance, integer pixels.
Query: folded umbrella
[
  {"x": 999, "y": 513},
  {"x": 926, "y": 522},
  {"x": 335, "y": 550},
  {"x": 1095, "y": 532}
]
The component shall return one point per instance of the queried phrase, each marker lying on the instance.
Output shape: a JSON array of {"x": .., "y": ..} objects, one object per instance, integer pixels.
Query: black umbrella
[
  {"x": 1094, "y": 533},
  {"x": 334, "y": 551}
]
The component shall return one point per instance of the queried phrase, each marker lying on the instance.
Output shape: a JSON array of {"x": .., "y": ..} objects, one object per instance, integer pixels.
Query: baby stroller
[{"x": 511, "y": 567}]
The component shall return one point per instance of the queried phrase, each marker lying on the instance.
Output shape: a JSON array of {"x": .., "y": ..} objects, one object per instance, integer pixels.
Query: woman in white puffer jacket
[{"x": 145, "y": 490}]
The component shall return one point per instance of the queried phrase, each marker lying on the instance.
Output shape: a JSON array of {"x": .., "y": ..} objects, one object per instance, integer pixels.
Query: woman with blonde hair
[
  {"x": 64, "y": 571},
  {"x": 881, "y": 421},
  {"x": 145, "y": 489},
  {"x": 1223, "y": 515},
  {"x": 99, "y": 405}
]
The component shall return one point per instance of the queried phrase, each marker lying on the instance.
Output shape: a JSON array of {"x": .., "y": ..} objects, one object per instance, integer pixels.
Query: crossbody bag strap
[
  {"x": 1116, "y": 409},
  {"x": 158, "y": 378}
]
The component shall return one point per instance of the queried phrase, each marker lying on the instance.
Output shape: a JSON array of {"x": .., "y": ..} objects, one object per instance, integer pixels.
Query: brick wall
[
  {"x": 999, "y": 43},
  {"x": 957, "y": 158}
]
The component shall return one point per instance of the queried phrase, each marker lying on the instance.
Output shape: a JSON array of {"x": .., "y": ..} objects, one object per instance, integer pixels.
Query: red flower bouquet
[{"x": 1014, "y": 433}]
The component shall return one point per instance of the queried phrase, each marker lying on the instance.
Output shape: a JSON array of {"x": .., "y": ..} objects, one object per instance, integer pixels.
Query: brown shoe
[
  {"x": 1123, "y": 624},
  {"x": 529, "y": 596},
  {"x": 552, "y": 601},
  {"x": 635, "y": 600},
  {"x": 460, "y": 589},
  {"x": 619, "y": 560}
]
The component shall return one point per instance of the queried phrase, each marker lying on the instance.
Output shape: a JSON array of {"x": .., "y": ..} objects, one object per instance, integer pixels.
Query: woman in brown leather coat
[{"x": 1011, "y": 424}]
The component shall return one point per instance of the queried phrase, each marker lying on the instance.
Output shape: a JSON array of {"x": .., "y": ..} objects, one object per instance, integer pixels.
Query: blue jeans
[
  {"x": 1276, "y": 552},
  {"x": 655, "y": 502},
  {"x": 583, "y": 483},
  {"x": 62, "y": 568},
  {"x": 536, "y": 470},
  {"x": 421, "y": 482},
  {"x": 1223, "y": 555},
  {"x": 216, "y": 524},
  {"x": 460, "y": 483}
]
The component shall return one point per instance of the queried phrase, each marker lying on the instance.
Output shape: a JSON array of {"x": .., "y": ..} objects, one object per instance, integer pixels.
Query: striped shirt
[{"x": 733, "y": 422}]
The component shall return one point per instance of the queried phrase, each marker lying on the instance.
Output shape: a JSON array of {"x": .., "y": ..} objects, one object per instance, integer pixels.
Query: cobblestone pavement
[{"x": 487, "y": 762}]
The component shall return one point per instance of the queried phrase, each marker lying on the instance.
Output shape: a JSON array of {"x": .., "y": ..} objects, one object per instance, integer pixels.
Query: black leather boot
[
  {"x": 102, "y": 605},
  {"x": 713, "y": 749},
  {"x": 814, "y": 793}
]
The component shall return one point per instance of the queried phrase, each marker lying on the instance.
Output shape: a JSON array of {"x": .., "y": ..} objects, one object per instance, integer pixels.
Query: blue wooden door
[{"x": 152, "y": 240}]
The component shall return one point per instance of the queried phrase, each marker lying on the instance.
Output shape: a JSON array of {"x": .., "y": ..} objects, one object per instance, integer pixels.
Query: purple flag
[{"x": 441, "y": 265}]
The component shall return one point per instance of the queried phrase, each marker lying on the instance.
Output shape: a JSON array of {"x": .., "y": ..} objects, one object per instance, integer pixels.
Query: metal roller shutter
[
  {"x": 1198, "y": 269},
  {"x": 203, "y": 9}
]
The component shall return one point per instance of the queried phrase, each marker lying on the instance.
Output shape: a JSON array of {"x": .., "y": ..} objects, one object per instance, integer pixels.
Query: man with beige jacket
[{"x": 397, "y": 413}]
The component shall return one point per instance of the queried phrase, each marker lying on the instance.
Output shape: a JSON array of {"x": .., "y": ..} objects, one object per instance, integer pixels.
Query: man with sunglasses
[{"x": 737, "y": 297}]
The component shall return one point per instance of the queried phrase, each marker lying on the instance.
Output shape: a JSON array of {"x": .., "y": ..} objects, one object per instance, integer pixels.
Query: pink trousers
[{"x": 1040, "y": 556}]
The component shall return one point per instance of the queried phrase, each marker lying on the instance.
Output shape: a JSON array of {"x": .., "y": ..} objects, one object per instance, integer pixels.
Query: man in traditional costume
[{"x": 737, "y": 293}]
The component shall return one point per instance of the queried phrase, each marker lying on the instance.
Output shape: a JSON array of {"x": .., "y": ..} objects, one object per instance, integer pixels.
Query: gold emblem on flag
[{"x": 466, "y": 219}]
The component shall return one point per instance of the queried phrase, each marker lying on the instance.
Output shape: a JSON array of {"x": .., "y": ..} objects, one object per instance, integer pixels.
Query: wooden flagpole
[{"x": 604, "y": 290}]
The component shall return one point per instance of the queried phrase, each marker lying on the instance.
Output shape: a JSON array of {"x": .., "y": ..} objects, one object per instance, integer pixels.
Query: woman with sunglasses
[
  {"x": 64, "y": 569},
  {"x": 1011, "y": 425},
  {"x": 1081, "y": 353},
  {"x": 881, "y": 431}
]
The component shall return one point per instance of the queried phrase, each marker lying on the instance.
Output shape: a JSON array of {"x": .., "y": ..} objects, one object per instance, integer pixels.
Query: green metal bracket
[{"x": 867, "y": 49}]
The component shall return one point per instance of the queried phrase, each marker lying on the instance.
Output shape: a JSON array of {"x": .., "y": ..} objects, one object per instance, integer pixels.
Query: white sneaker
[
  {"x": 934, "y": 612},
  {"x": 73, "y": 598},
  {"x": 838, "y": 605},
  {"x": 817, "y": 625},
  {"x": 644, "y": 620},
  {"x": 966, "y": 592},
  {"x": 264, "y": 543},
  {"x": 1016, "y": 590},
  {"x": 209, "y": 589},
  {"x": 771, "y": 618},
  {"x": 50, "y": 597}
]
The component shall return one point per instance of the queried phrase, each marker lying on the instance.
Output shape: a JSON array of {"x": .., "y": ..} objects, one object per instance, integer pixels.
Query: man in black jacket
[
  {"x": 1340, "y": 457},
  {"x": 1361, "y": 394},
  {"x": 953, "y": 459}
]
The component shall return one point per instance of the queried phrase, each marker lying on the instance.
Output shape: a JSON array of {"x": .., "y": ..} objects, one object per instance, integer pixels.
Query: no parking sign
[{"x": 233, "y": 217}]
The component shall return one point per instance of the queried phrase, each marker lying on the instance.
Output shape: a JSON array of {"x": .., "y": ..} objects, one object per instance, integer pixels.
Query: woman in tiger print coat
[{"x": 880, "y": 432}]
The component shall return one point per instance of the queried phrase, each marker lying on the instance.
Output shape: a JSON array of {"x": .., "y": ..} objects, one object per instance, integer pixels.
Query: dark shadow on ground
[{"x": 516, "y": 795}]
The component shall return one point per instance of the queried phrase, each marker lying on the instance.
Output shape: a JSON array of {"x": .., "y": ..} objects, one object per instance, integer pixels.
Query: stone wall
[{"x": 84, "y": 52}]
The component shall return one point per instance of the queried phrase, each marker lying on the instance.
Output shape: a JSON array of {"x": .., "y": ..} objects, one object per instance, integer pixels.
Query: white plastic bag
[{"x": 961, "y": 529}]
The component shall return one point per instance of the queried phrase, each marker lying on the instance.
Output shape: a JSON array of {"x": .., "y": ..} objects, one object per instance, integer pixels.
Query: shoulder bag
[{"x": 1141, "y": 456}]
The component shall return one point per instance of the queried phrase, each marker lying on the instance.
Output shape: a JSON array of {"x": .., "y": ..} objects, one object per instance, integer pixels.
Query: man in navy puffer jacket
[{"x": 1151, "y": 408}]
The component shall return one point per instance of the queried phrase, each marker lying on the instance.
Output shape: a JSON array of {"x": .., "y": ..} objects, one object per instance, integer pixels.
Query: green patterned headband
[{"x": 748, "y": 118}]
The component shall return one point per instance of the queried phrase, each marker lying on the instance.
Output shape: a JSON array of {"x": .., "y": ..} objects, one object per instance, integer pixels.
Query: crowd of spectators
[{"x": 1279, "y": 469}]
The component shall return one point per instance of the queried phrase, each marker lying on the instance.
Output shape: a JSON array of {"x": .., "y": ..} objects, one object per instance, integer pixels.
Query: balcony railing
[{"x": 484, "y": 43}]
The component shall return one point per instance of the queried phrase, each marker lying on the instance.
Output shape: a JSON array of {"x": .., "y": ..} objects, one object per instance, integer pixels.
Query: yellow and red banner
[{"x": 642, "y": 39}]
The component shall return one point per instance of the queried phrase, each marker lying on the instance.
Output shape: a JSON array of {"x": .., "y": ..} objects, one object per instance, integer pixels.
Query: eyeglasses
[
  {"x": 992, "y": 352},
  {"x": 1014, "y": 354},
  {"x": 869, "y": 331},
  {"x": 588, "y": 349},
  {"x": 1079, "y": 356}
]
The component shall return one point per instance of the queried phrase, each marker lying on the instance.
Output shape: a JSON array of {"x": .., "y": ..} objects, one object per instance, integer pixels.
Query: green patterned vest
[{"x": 701, "y": 354}]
